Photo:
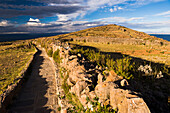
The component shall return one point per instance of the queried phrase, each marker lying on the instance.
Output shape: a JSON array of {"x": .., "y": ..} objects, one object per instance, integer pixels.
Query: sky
[{"x": 55, "y": 16}]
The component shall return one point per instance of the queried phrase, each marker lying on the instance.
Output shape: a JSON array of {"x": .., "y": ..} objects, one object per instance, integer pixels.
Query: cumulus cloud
[
  {"x": 5, "y": 23},
  {"x": 111, "y": 10},
  {"x": 115, "y": 8}
]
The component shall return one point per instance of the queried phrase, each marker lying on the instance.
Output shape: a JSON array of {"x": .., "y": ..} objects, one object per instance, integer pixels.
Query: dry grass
[
  {"x": 159, "y": 54},
  {"x": 13, "y": 59}
]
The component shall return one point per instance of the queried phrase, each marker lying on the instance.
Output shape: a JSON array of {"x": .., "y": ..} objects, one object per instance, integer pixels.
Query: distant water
[
  {"x": 13, "y": 37},
  {"x": 163, "y": 36}
]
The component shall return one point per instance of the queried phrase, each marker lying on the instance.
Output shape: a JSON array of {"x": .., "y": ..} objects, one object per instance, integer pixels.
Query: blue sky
[{"x": 52, "y": 16}]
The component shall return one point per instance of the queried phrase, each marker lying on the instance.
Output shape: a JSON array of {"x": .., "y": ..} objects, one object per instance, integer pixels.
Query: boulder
[
  {"x": 78, "y": 87},
  {"x": 69, "y": 82},
  {"x": 72, "y": 57},
  {"x": 79, "y": 55},
  {"x": 102, "y": 90},
  {"x": 117, "y": 97},
  {"x": 85, "y": 91},
  {"x": 124, "y": 82},
  {"x": 83, "y": 100},
  {"x": 113, "y": 77},
  {"x": 127, "y": 103},
  {"x": 100, "y": 78},
  {"x": 92, "y": 95}
]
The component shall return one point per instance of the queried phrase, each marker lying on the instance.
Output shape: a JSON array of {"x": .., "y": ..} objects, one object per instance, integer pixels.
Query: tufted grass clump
[
  {"x": 56, "y": 56},
  {"x": 50, "y": 52}
]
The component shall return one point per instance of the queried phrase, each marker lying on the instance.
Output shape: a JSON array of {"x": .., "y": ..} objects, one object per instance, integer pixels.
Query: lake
[
  {"x": 164, "y": 36},
  {"x": 13, "y": 37}
]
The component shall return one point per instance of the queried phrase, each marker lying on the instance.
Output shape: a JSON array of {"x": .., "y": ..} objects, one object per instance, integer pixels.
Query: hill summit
[
  {"x": 113, "y": 34},
  {"x": 109, "y": 31}
]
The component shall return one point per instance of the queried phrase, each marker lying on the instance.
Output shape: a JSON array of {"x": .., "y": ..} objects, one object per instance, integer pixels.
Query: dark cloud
[
  {"x": 50, "y": 27},
  {"x": 39, "y": 11},
  {"x": 37, "y": 8}
]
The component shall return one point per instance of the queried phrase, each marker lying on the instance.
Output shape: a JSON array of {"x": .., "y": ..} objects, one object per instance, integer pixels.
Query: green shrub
[
  {"x": 56, "y": 56},
  {"x": 123, "y": 67},
  {"x": 50, "y": 52}
]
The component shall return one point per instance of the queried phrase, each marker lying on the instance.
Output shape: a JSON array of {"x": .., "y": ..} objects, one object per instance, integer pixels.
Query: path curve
[{"x": 38, "y": 95}]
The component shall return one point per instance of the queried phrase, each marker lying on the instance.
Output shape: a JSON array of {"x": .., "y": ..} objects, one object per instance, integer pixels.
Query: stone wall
[{"x": 86, "y": 81}]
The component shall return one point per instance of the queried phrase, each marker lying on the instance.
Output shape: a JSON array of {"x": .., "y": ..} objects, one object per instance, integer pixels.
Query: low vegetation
[
  {"x": 123, "y": 66},
  {"x": 56, "y": 56},
  {"x": 13, "y": 58},
  {"x": 50, "y": 52}
]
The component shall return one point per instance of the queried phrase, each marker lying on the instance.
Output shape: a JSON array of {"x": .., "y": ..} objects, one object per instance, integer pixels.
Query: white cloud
[
  {"x": 115, "y": 8},
  {"x": 166, "y": 14},
  {"x": 62, "y": 17},
  {"x": 54, "y": 4},
  {"x": 118, "y": 19},
  {"x": 111, "y": 10},
  {"x": 35, "y": 22},
  {"x": 119, "y": 8},
  {"x": 4, "y": 23}
]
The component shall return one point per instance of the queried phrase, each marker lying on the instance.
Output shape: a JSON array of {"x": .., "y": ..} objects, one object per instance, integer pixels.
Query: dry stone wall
[{"x": 90, "y": 84}]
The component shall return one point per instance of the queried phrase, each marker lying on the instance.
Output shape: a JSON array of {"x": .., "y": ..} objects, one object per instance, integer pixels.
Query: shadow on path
[{"x": 33, "y": 95}]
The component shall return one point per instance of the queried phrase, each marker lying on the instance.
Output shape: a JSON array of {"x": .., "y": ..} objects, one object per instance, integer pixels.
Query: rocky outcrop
[{"x": 96, "y": 83}]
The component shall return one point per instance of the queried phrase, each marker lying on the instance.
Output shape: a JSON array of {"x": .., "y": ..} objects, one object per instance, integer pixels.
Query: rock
[
  {"x": 100, "y": 78},
  {"x": 127, "y": 103},
  {"x": 92, "y": 95},
  {"x": 113, "y": 77},
  {"x": 117, "y": 96},
  {"x": 72, "y": 57},
  {"x": 124, "y": 82},
  {"x": 69, "y": 82},
  {"x": 86, "y": 91},
  {"x": 136, "y": 105},
  {"x": 79, "y": 55},
  {"x": 83, "y": 99},
  {"x": 78, "y": 87},
  {"x": 63, "y": 111},
  {"x": 102, "y": 90},
  {"x": 77, "y": 74}
]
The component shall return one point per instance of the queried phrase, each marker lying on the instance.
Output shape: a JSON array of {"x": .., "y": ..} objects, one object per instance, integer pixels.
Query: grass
[
  {"x": 50, "y": 52},
  {"x": 12, "y": 62},
  {"x": 140, "y": 51},
  {"x": 56, "y": 56},
  {"x": 122, "y": 67}
]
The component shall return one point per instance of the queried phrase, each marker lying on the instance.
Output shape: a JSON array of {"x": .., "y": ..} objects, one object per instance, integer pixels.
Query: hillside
[
  {"x": 93, "y": 74},
  {"x": 119, "y": 39},
  {"x": 109, "y": 31}
]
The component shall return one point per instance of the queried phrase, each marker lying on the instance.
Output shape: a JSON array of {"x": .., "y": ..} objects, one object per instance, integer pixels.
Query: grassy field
[
  {"x": 13, "y": 59},
  {"x": 159, "y": 54}
]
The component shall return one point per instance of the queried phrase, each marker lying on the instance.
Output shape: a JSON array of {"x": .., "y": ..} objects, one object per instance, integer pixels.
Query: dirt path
[{"x": 38, "y": 95}]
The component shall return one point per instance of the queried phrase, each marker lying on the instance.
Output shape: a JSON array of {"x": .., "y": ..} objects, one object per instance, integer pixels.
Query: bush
[
  {"x": 56, "y": 56},
  {"x": 50, "y": 52}
]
